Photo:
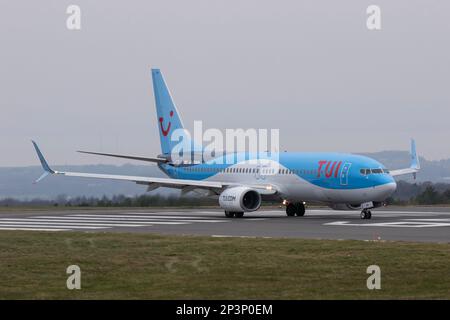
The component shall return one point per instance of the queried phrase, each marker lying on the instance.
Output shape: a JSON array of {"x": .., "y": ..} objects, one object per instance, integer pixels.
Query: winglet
[
  {"x": 44, "y": 163},
  {"x": 415, "y": 164}
]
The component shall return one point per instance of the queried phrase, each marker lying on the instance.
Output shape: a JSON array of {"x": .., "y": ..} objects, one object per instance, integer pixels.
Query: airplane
[{"x": 340, "y": 180}]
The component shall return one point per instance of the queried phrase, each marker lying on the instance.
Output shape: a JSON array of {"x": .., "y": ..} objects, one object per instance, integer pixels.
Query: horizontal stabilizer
[{"x": 156, "y": 160}]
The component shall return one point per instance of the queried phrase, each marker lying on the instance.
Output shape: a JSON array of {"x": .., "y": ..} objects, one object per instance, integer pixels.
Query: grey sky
[{"x": 310, "y": 68}]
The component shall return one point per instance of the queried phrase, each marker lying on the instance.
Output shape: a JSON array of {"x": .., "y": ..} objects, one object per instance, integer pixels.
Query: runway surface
[{"x": 429, "y": 224}]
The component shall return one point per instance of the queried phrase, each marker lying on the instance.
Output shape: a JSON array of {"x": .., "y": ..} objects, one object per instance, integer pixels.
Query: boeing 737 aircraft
[{"x": 342, "y": 181}]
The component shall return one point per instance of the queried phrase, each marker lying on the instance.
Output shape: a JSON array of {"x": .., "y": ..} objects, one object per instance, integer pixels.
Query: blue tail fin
[{"x": 169, "y": 120}]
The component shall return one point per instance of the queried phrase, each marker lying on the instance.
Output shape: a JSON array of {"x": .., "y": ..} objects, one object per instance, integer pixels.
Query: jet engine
[{"x": 240, "y": 199}]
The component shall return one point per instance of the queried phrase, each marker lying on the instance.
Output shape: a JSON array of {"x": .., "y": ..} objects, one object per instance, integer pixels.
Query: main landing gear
[
  {"x": 295, "y": 209},
  {"x": 230, "y": 214},
  {"x": 366, "y": 214}
]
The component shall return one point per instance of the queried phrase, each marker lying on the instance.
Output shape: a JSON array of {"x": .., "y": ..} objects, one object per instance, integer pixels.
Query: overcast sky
[{"x": 310, "y": 68}]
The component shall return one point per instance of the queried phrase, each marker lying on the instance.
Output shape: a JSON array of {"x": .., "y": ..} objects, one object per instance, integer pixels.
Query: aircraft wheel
[
  {"x": 366, "y": 214},
  {"x": 239, "y": 214},
  {"x": 300, "y": 212},
  {"x": 291, "y": 210},
  {"x": 229, "y": 214}
]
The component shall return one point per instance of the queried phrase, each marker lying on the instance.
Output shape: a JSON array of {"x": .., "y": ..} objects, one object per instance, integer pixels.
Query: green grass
[{"x": 144, "y": 266}]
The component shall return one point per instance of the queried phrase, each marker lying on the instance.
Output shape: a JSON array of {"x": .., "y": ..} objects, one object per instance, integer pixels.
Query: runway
[{"x": 429, "y": 224}]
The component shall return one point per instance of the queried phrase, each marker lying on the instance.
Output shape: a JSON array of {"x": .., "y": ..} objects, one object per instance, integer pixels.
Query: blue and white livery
[{"x": 241, "y": 182}]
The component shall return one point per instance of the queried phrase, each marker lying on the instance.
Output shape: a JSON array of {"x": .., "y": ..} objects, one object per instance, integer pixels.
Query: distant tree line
[{"x": 425, "y": 193}]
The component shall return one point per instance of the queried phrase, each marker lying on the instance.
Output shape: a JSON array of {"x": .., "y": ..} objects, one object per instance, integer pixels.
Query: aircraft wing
[
  {"x": 151, "y": 182},
  {"x": 414, "y": 167},
  {"x": 400, "y": 172}
]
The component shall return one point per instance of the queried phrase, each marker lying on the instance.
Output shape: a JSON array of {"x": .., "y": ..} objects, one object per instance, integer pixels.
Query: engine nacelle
[
  {"x": 240, "y": 199},
  {"x": 359, "y": 206}
]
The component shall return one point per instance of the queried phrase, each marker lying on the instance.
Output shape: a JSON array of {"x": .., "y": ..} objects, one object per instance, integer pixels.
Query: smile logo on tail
[{"x": 165, "y": 132}]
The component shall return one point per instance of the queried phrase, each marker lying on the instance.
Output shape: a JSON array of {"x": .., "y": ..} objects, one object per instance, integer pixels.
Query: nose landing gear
[{"x": 366, "y": 214}]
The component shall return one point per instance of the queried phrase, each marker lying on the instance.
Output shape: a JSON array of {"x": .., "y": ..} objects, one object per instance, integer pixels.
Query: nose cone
[
  {"x": 391, "y": 187},
  {"x": 387, "y": 189},
  {"x": 384, "y": 187}
]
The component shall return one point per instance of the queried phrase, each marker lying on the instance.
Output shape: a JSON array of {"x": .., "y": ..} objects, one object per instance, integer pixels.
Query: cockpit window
[{"x": 373, "y": 171}]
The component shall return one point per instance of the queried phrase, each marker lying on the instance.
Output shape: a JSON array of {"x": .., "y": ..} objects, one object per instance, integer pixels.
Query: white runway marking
[
  {"x": 68, "y": 227},
  {"x": 141, "y": 215},
  {"x": 99, "y": 221},
  {"x": 31, "y": 229},
  {"x": 398, "y": 224},
  {"x": 433, "y": 220},
  {"x": 51, "y": 222},
  {"x": 139, "y": 218},
  {"x": 124, "y": 223}
]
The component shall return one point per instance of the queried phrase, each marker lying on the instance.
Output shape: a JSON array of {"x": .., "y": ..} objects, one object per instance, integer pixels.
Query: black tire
[
  {"x": 366, "y": 214},
  {"x": 291, "y": 210},
  {"x": 239, "y": 214},
  {"x": 229, "y": 214},
  {"x": 300, "y": 209}
]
